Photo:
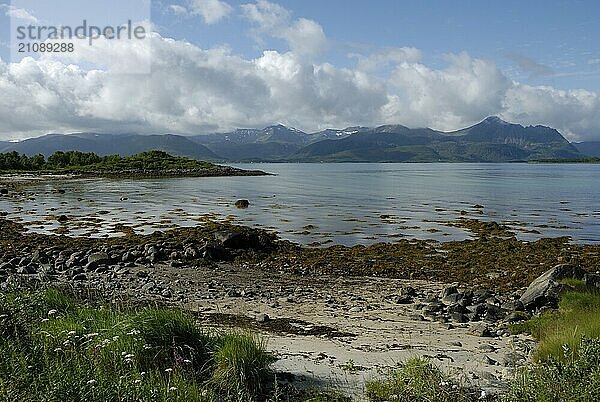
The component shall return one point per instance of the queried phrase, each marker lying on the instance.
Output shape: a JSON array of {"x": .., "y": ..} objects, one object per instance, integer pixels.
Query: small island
[{"x": 150, "y": 164}]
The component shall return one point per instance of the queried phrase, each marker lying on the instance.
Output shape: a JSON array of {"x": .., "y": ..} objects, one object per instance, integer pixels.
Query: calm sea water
[{"x": 335, "y": 203}]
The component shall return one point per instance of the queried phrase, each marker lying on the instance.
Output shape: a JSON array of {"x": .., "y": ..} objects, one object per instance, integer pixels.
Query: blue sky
[
  {"x": 539, "y": 42},
  {"x": 221, "y": 64}
]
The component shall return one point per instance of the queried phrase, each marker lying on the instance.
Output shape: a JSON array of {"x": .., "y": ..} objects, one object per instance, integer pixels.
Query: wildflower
[
  {"x": 92, "y": 382},
  {"x": 29, "y": 367},
  {"x": 93, "y": 334},
  {"x": 52, "y": 312},
  {"x": 172, "y": 389},
  {"x": 168, "y": 370},
  {"x": 143, "y": 373},
  {"x": 115, "y": 338},
  {"x": 133, "y": 332},
  {"x": 483, "y": 395}
]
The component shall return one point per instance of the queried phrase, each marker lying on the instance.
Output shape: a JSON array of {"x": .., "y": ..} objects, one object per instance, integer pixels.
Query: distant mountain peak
[{"x": 495, "y": 120}]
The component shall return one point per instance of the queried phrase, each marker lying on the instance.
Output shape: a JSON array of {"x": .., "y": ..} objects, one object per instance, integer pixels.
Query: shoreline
[{"x": 334, "y": 316}]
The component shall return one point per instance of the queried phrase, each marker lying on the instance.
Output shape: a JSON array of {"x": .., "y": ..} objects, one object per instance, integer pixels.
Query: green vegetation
[
  {"x": 418, "y": 380},
  {"x": 75, "y": 161},
  {"x": 576, "y": 377},
  {"x": 568, "y": 353},
  {"x": 57, "y": 348},
  {"x": 578, "y": 316}
]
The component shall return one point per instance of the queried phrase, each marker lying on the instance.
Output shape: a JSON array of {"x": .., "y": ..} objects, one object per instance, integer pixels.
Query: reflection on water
[{"x": 334, "y": 203}]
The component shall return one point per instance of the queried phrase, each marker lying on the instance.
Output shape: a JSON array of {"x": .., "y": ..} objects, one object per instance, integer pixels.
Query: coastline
[{"x": 318, "y": 308}]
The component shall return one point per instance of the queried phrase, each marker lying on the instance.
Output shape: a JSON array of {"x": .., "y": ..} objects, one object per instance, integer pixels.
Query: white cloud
[
  {"x": 303, "y": 36},
  {"x": 192, "y": 90},
  {"x": 19, "y": 14},
  {"x": 211, "y": 11},
  {"x": 177, "y": 9},
  {"x": 462, "y": 93},
  {"x": 385, "y": 57}
]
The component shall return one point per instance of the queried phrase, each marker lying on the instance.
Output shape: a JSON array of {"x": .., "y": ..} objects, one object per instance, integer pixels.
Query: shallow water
[{"x": 334, "y": 203}]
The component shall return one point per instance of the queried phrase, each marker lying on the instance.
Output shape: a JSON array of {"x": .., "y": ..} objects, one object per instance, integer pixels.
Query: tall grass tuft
[{"x": 241, "y": 364}]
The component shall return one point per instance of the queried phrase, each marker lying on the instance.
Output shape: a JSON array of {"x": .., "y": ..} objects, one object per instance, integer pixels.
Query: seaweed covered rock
[{"x": 243, "y": 239}]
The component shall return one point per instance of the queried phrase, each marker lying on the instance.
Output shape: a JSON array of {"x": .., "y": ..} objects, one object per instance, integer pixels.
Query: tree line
[{"x": 76, "y": 160}]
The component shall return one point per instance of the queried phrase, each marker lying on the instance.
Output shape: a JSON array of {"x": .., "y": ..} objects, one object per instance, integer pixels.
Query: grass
[
  {"x": 578, "y": 316},
  {"x": 574, "y": 377},
  {"x": 57, "y": 348},
  {"x": 418, "y": 380},
  {"x": 567, "y": 359}
]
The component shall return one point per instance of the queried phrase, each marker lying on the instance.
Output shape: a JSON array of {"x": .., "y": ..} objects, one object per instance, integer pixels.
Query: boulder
[
  {"x": 242, "y": 239},
  {"x": 242, "y": 203},
  {"x": 98, "y": 258},
  {"x": 545, "y": 289}
]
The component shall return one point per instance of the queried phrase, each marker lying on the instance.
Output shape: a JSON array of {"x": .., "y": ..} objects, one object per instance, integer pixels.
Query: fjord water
[{"x": 343, "y": 203}]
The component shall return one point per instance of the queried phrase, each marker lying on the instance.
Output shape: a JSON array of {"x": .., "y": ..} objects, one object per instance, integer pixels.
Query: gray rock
[
  {"x": 459, "y": 317},
  {"x": 452, "y": 298},
  {"x": 513, "y": 305},
  {"x": 98, "y": 258},
  {"x": 494, "y": 313},
  {"x": 480, "y": 330},
  {"x": 592, "y": 280},
  {"x": 450, "y": 290},
  {"x": 80, "y": 277},
  {"x": 242, "y": 203},
  {"x": 545, "y": 289},
  {"x": 262, "y": 318},
  {"x": 403, "y": 299},
  {"x": 29, "y": 269},
  {"x": 488, "y": 360}
]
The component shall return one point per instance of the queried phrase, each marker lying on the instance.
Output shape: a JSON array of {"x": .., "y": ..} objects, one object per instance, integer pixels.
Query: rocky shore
[{"x": 335, "y": 315}]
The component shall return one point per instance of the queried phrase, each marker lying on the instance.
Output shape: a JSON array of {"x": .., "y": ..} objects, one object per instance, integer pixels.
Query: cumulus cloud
[
  {"x": 465, "y": 91},
  {"x": 304, "y": 37},
  {"x": 211, "y": 11},
  {"x": 191, "y": 90}
]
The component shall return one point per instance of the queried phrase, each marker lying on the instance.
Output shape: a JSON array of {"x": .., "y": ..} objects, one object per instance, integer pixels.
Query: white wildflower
[
  {"x": 168, "y": 370},
  {"x": 92, "y": 382},
  {"x": 52, "y": 312},
  {"x": 172, "y": 389}
]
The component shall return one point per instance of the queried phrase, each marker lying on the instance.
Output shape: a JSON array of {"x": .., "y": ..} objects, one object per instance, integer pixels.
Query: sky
[{"x": 217, "y": 65}]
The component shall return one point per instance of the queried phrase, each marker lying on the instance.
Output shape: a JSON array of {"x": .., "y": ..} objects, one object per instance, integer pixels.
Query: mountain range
[{"x": 492, "y": 140}]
